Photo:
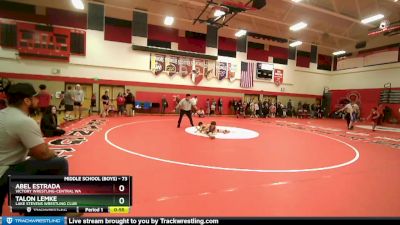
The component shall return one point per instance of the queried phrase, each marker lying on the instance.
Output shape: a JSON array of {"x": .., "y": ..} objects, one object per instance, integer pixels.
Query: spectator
[
  {"x": 79, "y": 97},
  {"x": 69, "y": 103},
  {"x": 92, "y": 103},
  {"x": 62, "y": 102},
  {"x": 213, "y": 107},
  {"x": 252, "y": 109},
  {"x": 279, "y": 110},
  {"x": 120, "y": 103},
  {"x": 387, "y": 114},
  {"x": 130, "y": 103},
  {"x": 241, "y": 109},
  {"x": 44, "y": 98},
  {"x": 381, "y": 114},
  {"x": 235, "y": 105},
  {"x": 272, "y": 110},
  {"x": 49, "y": 124},
  {"x": 208, "y": 107},
  {"x": 289, "y": 108},
  {"x": 320, "y": 111},
  {"x": 106, "y": 103},
  {"x": 17, "y": 143},
  {"x": 220, "y": 106},
  {"x": 164, "y": 104}
]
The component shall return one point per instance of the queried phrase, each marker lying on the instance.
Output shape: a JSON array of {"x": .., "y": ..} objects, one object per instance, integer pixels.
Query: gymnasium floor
[{"x": 287, "y": 167}]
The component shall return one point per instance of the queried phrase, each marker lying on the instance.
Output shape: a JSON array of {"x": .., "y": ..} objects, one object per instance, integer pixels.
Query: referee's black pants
[
  {"x": 348, "y": 119},
  {"x": 188, "y": 114}
]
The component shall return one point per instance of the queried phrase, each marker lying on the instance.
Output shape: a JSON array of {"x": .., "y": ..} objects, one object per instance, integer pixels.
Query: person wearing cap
[
  {"x": 79, "y": 97},
  {"x": 185, "y": 106},
  {"x": 20, "y": 136}
]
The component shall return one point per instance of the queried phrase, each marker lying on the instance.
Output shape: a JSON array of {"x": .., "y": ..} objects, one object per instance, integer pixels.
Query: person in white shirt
[
  {"x": 79, "y": 97},
  {"x": 348, "y": 110},
  {"x": 185, "y": 107}
]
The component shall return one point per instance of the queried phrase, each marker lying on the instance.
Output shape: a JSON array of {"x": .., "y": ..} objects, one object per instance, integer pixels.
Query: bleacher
[{"x": 389, "y": 96}]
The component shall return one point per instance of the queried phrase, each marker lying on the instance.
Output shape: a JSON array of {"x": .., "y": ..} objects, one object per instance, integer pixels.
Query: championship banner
[
  {"x": 185, "y": 66},
  {"x": 278, "y": 77},
  {"x": 198, "y": 73},
  {"x": 232, "y": 71},
  {"x": 157, "y": 64},
  {"x": 222, "y": 70},
  {"x": 172, "y": 65},
  {"x": 211, "y": 71}
]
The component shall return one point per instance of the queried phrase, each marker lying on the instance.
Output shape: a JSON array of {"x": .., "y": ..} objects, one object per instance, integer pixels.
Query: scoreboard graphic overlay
[{"x": 86, "y": 194}]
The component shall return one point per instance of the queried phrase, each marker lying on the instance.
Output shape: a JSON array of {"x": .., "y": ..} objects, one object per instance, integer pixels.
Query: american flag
[{"x": 246, "y": 74}]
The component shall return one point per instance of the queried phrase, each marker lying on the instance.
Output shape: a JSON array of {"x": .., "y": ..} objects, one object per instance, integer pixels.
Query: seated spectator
[
  {"x": 49, "y": 124},
  {"x": 200, "y": 113},
  {"x": 111, "y": 110}
]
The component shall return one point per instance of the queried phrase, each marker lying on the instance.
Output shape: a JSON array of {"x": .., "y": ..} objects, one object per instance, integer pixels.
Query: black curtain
[
  {"x": 8, "y": 35},
  {"x": 77, "y": 43}
]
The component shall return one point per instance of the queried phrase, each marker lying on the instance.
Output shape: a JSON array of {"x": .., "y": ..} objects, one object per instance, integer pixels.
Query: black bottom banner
[
  {"x": 220, "y": 221},
  {"x": 49, "y": 220}
]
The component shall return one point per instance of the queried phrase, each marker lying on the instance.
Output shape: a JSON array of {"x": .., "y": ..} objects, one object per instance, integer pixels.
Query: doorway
[
  {"x": 249, "y": 98},
  {"x": 87, "y": 90},
  {"x": 112, "y": 92}
]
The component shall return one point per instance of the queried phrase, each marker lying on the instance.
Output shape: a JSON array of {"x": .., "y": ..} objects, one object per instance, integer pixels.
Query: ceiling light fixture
[
  {"x": 169, "y": 20},
  {"x": 296, "y": 1},
  {"x": 341, "y": 52},
  {"x": 78, "y": 4},
  {"x": 372, "y": 18},
  {"x": 298, "y": 26},
  {"x": 296, "y": 43},
  {"x": 240, "y": 33},
  {"x": 218, "y": 13}
]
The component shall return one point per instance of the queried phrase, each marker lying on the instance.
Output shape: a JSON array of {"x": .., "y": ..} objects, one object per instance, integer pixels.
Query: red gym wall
[
  {"x": 367, "y": 99},
  {"x": 157, "y": 96}
]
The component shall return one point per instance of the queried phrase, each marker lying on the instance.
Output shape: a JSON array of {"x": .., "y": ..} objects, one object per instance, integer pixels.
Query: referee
[{"x": 185, "y": 106}]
